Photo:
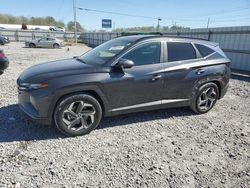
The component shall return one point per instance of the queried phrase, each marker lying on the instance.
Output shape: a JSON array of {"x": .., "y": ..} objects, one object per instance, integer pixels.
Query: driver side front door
[{"x": 141, "y": 86}]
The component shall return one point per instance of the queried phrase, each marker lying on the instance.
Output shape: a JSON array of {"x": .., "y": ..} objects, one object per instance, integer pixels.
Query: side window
[
  {"x": 145, "y": 54},
  {"x": 178, "y": 51},
  {"x": 204, "y": 51}
]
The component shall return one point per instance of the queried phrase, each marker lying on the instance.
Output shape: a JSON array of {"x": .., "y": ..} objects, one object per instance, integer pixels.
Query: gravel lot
[{"x": 165, "y": 148}]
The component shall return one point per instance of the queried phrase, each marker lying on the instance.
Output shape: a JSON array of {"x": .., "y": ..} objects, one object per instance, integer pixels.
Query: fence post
[
  {"x": 98, "y": 40},
  {"x": 16, "y": 35},
  {"x": 33, "y": 36},
  {"x": 65, "y": 37},
  {"x": 209, "y": 35}
]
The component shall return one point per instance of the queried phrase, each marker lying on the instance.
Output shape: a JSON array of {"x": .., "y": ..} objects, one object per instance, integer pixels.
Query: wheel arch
[
  {"x": 95, "y": 92},
  {"x": 200, "y": 83},
  {"x": 56, "y": 44},
  {"x": 218, "y": 85},
  {"x": 32, "y": 43}
]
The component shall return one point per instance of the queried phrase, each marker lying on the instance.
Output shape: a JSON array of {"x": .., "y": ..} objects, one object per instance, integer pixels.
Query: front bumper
[{"x": 35, "y": 106}]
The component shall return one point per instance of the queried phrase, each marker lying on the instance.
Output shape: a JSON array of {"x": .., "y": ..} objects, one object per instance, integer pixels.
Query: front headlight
[{"x": 27, "y": 86}]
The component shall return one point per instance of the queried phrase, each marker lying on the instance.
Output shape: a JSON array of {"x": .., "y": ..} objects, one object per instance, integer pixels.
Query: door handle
[
  {"x": 200, "y": 71},
  {"x": 156, "y": 77}
]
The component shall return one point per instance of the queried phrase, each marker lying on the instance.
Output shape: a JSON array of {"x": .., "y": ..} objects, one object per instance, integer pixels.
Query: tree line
[
  {"x": 150, "y": 29},
  {"x": 48, "y": 20}
]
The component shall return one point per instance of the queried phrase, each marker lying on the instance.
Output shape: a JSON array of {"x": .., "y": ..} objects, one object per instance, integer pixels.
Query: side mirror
[{"x": 124, "y": 64}]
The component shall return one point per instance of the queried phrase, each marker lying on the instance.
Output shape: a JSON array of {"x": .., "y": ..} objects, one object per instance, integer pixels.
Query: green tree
[
  {"x": 71, "y": 26},
  {"x": 48, "y": 20}
]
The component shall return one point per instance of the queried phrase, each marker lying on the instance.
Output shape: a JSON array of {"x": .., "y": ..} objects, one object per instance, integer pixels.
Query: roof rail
[
  {"x": 161, "y": 34},
  {"x": 140, "y": 33},
  {"x": 178, "y": 36}
]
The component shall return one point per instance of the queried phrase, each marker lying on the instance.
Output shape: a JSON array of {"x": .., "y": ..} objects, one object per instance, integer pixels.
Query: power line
[
  {"x": 117, "y": 13},
  {"x": 215, "y": 13}
]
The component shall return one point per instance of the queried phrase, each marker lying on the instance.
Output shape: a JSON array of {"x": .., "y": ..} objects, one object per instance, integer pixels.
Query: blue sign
[{"x": 106, "y": 23}]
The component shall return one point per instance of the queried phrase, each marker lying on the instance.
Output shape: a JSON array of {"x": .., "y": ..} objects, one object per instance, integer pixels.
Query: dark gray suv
[{"x": 124, "y": 75}]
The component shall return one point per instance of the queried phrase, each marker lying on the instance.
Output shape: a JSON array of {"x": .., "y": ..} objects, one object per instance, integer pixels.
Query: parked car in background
[
  {"x": 46, "y": 42},
  {"x": 4, "y": 62},
  {"x": 124, "y": 75},
  {"x": 53, "y": 28},
  {"x": 4, "y": 40}
]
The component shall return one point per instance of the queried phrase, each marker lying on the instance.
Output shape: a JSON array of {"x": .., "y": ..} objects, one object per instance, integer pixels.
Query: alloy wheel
[
  {"x": 79, "y": 115},
  {"x": 207, "y": 99}
]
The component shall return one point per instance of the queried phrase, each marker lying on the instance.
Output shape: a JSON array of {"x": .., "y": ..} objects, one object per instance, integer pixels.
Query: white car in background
[
  {"x": 45, "y": 42},
  {"x": 53, "y": 28}
]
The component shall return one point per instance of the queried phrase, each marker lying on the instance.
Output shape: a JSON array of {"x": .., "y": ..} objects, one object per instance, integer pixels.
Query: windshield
[{"x": 101, "y": 54}]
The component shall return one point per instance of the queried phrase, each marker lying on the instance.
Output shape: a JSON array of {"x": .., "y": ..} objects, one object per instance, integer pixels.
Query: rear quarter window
[
  {"x": 178, "y": 51},
  {"x": 204, "y": 50}
]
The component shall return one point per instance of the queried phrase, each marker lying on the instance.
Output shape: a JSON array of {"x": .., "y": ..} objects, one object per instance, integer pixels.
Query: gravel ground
[{"x": 165, "y": 148}]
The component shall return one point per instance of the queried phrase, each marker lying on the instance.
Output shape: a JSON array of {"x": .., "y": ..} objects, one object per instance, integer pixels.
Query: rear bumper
[
  {"x": 224, "y": 90},
  {"x": 7, "y": 41}
]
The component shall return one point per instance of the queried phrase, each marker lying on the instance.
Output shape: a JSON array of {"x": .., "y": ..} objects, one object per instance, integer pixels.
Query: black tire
[
  {"x": 71, "y": 124},
  {"x": 205, "y": 99},
  {"x": 32, "y": 45},
  {"x": 1, "y": 42},
  {"x": 56, "y": 45}
]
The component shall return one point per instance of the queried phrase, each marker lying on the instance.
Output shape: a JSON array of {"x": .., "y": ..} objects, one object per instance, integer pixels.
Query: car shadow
[{"x": 15, "y": 126}]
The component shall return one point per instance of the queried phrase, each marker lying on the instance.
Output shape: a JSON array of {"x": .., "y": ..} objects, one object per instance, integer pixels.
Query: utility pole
[
  {"x": 208, "y": 21},
  {"x": 158, "y": 25},
  {"x": 74, "y": 12}
]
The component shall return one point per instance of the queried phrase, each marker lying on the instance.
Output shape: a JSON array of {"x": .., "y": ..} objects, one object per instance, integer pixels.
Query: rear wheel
[
  {"x": 31, "y": 45},
  {"x": 206, "y": 98},
  {"x": 77, "y": 114},
  {"x": 1, "y": 42},
  {"x": 56, "y": 46}
]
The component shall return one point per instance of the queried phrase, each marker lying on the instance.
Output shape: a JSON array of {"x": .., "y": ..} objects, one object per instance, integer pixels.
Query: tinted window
[
  {"x": 145, "y": 54},
  {"x": 204, "y": 51},
  {"x": 178, "y": 51}
]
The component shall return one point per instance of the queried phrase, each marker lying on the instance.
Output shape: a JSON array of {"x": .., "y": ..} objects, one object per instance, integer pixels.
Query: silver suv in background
[{"x": 46, "y": 42}]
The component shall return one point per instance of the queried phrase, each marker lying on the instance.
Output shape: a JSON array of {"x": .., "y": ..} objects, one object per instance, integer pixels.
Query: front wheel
[
  {"x": 205, "y": 98},
  {"x": 77, "y": 114}
]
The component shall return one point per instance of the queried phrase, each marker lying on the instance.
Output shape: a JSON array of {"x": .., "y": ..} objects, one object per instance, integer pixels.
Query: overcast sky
[{"x": 190, "y": 13}]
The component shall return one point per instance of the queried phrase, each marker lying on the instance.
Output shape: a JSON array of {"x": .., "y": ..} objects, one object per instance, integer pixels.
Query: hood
[{"x": 50, "y": 70}]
